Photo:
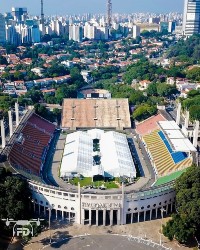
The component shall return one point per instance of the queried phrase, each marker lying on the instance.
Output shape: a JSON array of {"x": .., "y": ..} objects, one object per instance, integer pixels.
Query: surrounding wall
[{"x": 103, "y": 209}]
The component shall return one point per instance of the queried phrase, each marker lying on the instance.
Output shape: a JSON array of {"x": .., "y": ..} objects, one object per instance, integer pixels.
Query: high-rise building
[
  {"x": 56, "y": 27},
  {"x": 2, "y": 29},
  {"x": 19, "y": 14},
  {"x": 89, "y": 31},
  {"x": 109, "y": 13},
  {"x": 171, "y": 26},
  {"x": 136, "y": 31},
  {"x": 76, "y": 33},
  {"x": 191, "y": 17}
]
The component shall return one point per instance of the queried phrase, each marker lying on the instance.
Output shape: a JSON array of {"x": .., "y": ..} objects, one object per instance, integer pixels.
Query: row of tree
[
  {"x": 192, "y": 103},
  {"x": 185, "y": 224}
]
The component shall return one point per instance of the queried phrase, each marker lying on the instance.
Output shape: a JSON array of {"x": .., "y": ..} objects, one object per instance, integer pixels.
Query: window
[
  {"x": 142, "y": 208},
  {"x": 135, "y": 208},
  {"x": 148, "y": 206},
  {"x": 47, "y": 203},
  {"x": 59, "y": 206},
  {"x": 65, "y": 207},
  {"x": 160, "y": 203},
  {"x": 154, "y": 205},
  {"x": 72, "y": 208},
  {"x": 129, "y": 209},
  {"x": 41, "y": 202}
]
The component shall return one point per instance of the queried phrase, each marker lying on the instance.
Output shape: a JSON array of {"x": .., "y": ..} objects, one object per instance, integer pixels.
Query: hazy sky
[{"x": 93, "y": 6}]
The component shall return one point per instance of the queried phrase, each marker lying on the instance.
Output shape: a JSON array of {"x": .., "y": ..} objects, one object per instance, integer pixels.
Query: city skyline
[{"x": 80, "y": 7}]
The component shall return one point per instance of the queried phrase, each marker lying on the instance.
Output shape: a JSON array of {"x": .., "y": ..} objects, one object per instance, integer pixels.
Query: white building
[
  {"x": 56, "y": 27},
  {"x": 95, "y": 31},
  {"x": 136, "y": 31},
  {"x": 76, "y": 33},
  {"x": 191, "y": 17},
  {"x": 97, "y": 153},
  {"x": 116, "y": 208},
  {"x": 89, "y": 31}
]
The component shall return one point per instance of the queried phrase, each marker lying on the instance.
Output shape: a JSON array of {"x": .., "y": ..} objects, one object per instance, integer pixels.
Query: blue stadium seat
[{"x": 176, "y": 156}]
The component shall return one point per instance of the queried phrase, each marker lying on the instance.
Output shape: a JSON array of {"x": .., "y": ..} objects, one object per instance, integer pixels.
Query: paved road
[
  {"x": 173, "y": 114},
  {"x": 106, "y": 242}
]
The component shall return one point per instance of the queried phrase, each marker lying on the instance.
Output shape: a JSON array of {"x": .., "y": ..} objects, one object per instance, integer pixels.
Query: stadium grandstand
[
  {"x": 95, "y": 113},
  {"x": 94, "y": 151},
  {"x": 29, "y": 149},
  {"x": 167, "y": 147}
]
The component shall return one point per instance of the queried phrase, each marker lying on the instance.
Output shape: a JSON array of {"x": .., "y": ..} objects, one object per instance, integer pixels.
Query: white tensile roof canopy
[{"x": 114, "y": 158}]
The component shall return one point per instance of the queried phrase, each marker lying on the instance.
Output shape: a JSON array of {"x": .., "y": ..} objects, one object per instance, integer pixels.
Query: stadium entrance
[{"x": 101, "y": 217}]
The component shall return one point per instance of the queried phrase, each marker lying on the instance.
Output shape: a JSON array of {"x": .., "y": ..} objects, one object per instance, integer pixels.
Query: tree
[
  {"x": 3, "y": 60},
  {"x": 44, "y": 112},
  {"x": 137, "y": 97},
  {"x": 194, "y": 74},
  {"x": 193, "y": 93},
  {"x": 186, "y": 50},
  {"x": 57, "y": 114},
  {"x": 152, "y": 89},
  {"x": 179, "y": 229},
  {"x": 14, "y": 198},
  {"x": 186, "y": 223},
  {"x": 143, "y": 70},
  {"x": 194, "y": 113},
  {"x": 76, "y": 77},
  {"x": 144, "y": 111},
  {"x": 18, "y": 75},
  {"x": 65, "y": 91},
  {"x": 166, "y": 90}
]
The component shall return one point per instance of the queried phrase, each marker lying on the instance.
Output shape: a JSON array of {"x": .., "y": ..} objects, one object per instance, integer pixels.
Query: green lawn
[
  {"x": 168, "y": 178},
  {"x": 88, "y": 181}
]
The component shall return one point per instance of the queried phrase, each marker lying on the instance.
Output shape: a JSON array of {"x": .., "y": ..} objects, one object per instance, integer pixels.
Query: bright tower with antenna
[{"x": 109, "y": 13}]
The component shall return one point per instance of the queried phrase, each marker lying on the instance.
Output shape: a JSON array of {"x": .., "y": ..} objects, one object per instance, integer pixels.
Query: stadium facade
[{"x": 31, "y": 140}]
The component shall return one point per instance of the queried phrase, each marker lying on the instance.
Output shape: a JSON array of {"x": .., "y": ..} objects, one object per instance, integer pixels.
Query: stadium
[{"x": 96, "y": 139}]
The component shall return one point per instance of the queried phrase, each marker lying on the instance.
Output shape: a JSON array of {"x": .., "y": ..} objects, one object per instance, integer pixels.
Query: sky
[{"x": 93, "y": 6}]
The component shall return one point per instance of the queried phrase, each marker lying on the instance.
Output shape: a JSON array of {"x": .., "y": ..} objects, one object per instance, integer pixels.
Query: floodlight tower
[{"x": 109, "y": 13}]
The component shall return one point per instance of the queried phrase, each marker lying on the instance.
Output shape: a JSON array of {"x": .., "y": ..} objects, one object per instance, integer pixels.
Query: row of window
[
  {"x": 52, "y": 205},
  {"x": 154, "y": 205}
]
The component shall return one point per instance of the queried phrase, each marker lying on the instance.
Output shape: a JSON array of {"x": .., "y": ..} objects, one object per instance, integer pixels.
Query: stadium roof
[
  {"x": 174, "y": 134},
  {"x": 114, "y": 154},
  {"x": 183, "y": 145},
  {"x": 167, "y": 125},
  {"x": 96, "y": 113},
  {"x": 77, "y": 154}
]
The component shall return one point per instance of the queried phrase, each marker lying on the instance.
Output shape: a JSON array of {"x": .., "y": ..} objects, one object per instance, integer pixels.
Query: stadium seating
[
  {"x": 29, "y": 152},
  {"x": 176, "y": 156},
  {"x": 161, "y": 156},
  {"x": 42, "y": 124}
]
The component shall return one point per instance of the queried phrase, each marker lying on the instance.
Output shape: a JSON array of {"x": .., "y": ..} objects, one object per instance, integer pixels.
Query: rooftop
[{"x": 96, "y": 113}]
